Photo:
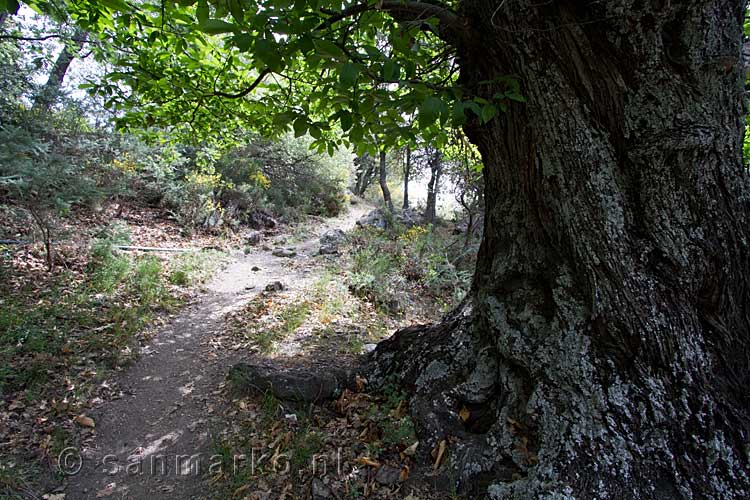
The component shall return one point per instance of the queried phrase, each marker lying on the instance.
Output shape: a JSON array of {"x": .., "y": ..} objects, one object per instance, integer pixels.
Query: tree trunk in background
[
  {"x": 384, "y": 184},
  {"x": 470, "y": 210},
  {"x": 433, "y": 186},
  {"x": 49, "y": 93},
  {"x": 407, "y": 173},
  {"x": 366, "y": 172},
  {"x": 603, "y": 351}
]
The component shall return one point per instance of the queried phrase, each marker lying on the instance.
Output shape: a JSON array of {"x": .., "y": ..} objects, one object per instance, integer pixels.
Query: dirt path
[{"x": 143, "y": 441}]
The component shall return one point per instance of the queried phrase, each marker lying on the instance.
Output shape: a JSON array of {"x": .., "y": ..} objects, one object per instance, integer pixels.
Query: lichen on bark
[{"x": 603, "y": 351}]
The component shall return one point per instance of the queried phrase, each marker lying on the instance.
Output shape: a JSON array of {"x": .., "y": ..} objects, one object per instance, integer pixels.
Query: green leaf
[
  {"x": 391, "y": 71},
  {"x": 281, "y": 120},
  {"x": 305, "y": 44},
  {"x": 315, "y": 132},
  {"x": 459, "y": 117},
  {"x": 217, "y": 26},
  {"x": 356, "y": 134},
  {"x": 516, "y": 97},
  {"x": 488, "y": 113},
  {"x": 300, "y": 126},
  {"x": 268, "y": 52},
  {"x": 348, "y": 73},
  {"x": 116, "y": 5},
  {"x": 328, "y": 49},
  {"x": 238, "y": 13},
  {"x": 201, "y": 12},
  {"x": 431, "y": 107},
  {"x": 10, "y": 6},
  {"x": 373, "y": 52},
  {"x": 346, "y": 120},
  {"x": 244, "y": 41},
  {"x": 476, "y": 108}
]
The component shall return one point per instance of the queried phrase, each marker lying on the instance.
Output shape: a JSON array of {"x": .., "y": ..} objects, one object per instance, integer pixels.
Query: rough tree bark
[
  {"x": 603, "y": 350},
  {"x": 407, "y": 175},
  {"x": 384, "y": 183},
  {"x": 433, "y": 185}
]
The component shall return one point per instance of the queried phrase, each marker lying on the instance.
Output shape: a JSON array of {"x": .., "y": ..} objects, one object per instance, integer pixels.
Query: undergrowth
[
  {"x": 388, "y": 265},
  {"x": 194, "y": 268},
  {"x": 49, "y": 327}
]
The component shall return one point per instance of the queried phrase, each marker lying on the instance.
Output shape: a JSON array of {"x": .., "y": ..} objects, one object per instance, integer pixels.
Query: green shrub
[
  {"x": 387, "y": 264},
  {"x": 147, "y": 279},
  {"x": 287, "y": 176},
  {"x": 117, "y": 233},
  {"x": 107, "y": 269}
]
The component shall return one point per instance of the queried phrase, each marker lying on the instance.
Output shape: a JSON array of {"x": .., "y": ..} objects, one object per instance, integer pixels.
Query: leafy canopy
[{"x": 373, "y": 74}]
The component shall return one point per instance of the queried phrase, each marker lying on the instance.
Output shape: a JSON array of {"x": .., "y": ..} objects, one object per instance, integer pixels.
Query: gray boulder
[
  {"x": 261, "y": 219},
  {"x": 330, "y": 241},
  {"x": 291, "y": 383},
  {"x": 409, "y": 218},
  {"x": 283, "y": 252},
  {"x": 253, "y": 238},
  {"x": 376, "y": 218},
  {"x": 380, "y": 219}
]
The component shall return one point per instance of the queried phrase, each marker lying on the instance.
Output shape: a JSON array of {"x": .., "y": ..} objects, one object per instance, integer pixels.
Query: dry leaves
[
  {"x": 85, "y": 421},
  {"x": 438, "y": 453}
]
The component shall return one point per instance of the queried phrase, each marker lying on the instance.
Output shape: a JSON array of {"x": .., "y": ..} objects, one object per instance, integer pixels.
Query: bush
[
  {"x": 387, "y": 265},
  {"x": 42, "y": 172},
  {"x": 147, "y": 280},
  {"x": 107, "y": 270},
  {"x": 287, "y": 176}
]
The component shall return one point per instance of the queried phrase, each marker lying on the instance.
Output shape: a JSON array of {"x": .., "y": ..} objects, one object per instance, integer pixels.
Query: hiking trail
[{"x": 170, "y": 403}]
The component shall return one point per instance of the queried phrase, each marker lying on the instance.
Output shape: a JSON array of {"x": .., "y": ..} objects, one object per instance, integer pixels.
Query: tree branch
[
  {"x": 246, "y": 91},
  {"x": 43, "y": 38},
  {"x": 451, "y": 28}
]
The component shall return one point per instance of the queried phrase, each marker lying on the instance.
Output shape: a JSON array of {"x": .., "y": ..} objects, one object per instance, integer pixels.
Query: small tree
[
  {"x": 435, "y": 164},
  {"x": 383, "y": 173},
  {"x": 407, "y": 175},
  {"x": 40, "y": 180}
]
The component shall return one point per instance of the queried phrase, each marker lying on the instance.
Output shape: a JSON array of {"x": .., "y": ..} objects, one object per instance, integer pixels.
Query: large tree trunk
[
  {"x": 603, "y": 351},
  {"x": 384, "y": 183},
  {"x": 49, "y": 93}
]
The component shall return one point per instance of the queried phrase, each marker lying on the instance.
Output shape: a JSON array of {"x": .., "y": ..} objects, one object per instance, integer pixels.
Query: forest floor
[{"x": 170, "y": 425}]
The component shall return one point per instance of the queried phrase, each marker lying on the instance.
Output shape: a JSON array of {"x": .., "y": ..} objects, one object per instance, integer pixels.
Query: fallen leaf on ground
[
  {"x": 106, "y": 491},
  {"x": 438, "y": 453},
  {"x": 411, "y": 450},
  {"x": 404, "y": 474},
  {"x": 85, "y": 421},
  {"x": 367, "y": 461},
  {"x": 464, "y": 414}
]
